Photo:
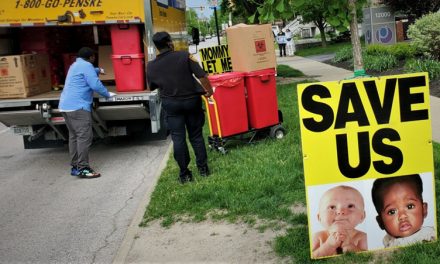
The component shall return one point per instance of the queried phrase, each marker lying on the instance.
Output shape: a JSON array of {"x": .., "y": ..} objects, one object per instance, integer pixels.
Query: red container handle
[
  {"x": 123, "y": 26},
  {"x": 126, "y": 60},
  {"x": 264, "y": 78}
]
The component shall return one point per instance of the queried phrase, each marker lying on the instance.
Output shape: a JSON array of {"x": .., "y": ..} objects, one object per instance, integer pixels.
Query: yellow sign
[
  {"x": 74, "y": 11},
  {"x": 216, "y": 59},
  {"x": 355, "y": 132}
]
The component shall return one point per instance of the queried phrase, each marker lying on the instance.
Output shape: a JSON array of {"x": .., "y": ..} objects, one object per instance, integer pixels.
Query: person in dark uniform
[{"x": 172, "y": 73}]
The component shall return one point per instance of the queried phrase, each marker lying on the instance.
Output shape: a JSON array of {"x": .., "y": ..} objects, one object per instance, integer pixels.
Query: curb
[
  {"x": 133, "y": 228},
  {"x": 435, "y": 122}
]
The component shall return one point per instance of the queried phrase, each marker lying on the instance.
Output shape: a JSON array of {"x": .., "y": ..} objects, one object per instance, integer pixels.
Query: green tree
[
  {"x": 415, "y": 8},
  {"x": 242, "y": 10},
  {"x": 315, "y": 12},
  {"x": 192, "y": 19},
  {"x": 340, "y": 14}
]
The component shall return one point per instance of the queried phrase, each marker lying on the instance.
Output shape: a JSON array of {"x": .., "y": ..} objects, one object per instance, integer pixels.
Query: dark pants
[
  {"x": 79, "y": 124},
  {"x": 282, "y": 49},
  {"x": 186, "y": 115}
]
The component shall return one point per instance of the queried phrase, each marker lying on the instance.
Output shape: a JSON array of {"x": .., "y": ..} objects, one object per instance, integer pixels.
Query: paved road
[
  {"x": 48, "y": 216},
  {"x": 204, "y": 44}
]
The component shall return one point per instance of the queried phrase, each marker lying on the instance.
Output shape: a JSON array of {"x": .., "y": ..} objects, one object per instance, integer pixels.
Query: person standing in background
[
  {"x": 290, "y": 45},
  {"x": 76, "y": 107},
  {"x": 281, "y": 40},
  {"x": 174, "y": 73}
]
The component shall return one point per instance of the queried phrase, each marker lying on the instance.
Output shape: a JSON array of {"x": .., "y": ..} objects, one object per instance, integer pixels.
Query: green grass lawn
[
  {"x": 287, "y": 71},
  {"x": 331, "y": 48},
  {"x": 262, "y": 181}
]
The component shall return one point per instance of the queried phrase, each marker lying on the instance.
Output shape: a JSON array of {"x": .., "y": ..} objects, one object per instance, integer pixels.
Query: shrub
[
  {"x": 376, "y": 49},
  {"x": 425, "y": 35},
  {"x": 400, "y": 50},
  {"x": 403, "y": 50},
  {"x": 424, "y": 65},
  {"x": 343, "y": 54},
  {"x": 379, "y": 63}
]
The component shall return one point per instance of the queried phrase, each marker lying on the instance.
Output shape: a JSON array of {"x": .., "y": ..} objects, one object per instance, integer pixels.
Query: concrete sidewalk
[{"x": 130, "y": 248}]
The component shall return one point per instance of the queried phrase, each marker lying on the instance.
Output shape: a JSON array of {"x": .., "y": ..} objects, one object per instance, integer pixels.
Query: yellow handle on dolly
[{"x": 208, "y": 101}]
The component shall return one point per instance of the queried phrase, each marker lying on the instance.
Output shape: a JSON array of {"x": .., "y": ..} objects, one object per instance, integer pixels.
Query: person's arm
[
  {"x": 206, "y": 84},
  {"x": 150, "y": 85},
  {"x": 99, "y": 71},
  {"x": 201, "y": 75},
  {"x": 94, "y": 82}
]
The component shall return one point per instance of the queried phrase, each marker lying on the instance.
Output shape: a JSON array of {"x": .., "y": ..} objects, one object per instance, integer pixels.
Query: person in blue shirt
[
  {"x": 281, "y": 40},
  {"x": 76, "y": 106}
]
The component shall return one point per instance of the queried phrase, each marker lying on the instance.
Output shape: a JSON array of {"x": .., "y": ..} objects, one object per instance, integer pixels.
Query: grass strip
[{"x": 262, "y": 181}]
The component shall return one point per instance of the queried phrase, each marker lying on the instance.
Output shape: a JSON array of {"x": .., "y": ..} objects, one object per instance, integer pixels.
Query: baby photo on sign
[
  {"x": 371, "y": 214},
  {"x": 338, "y": 220},
  {"x": 402, "y": 211}
]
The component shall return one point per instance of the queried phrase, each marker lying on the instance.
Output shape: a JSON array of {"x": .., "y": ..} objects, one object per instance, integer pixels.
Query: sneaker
[
  {"x": 204, "y": 171},
  {"x": 187, "y": 177},
  {"x": 88, "y": 173},
  {"x": 74, "y": 171}
]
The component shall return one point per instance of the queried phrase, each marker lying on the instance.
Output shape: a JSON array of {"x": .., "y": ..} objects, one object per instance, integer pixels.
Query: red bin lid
[
  {"x": 225, "y": 76},
  {"x": 270, "y": 71}
]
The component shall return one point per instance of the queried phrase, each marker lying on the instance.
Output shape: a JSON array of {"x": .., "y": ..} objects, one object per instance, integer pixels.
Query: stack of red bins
[
  {"x": 50, "y": 41},
  {"x": 128, "y": 59},
  {"x": 68, "y": 60},
  {"x": 261, "y": 101},
  {"x": 242, "y": 101}
]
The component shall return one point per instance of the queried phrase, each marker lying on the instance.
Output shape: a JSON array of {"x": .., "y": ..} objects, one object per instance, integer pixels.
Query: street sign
[
  {"x": 379, "y": 26},
  {"x": 212, "y": 3}
]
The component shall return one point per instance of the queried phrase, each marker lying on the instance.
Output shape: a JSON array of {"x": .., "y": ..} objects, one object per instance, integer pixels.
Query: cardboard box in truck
[
  {"x": 251, "y": 47},
  {"x": 105, "y": 62},
  {"x": 24, "y": 75}
]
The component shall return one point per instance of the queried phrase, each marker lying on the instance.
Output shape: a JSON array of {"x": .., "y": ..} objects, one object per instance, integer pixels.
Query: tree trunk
[
  {"x": 322, "y": 32},
  {"x": 355, "y": 42}
]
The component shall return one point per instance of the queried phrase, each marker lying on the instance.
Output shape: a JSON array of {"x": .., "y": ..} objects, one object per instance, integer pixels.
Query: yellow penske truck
[{"x": 38, "y": 42}]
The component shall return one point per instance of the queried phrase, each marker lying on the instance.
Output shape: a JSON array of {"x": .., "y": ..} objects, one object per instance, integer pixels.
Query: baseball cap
[{"x": 161, "y": 39}]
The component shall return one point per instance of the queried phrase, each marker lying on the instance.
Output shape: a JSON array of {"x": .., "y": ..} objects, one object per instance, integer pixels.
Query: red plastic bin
[
  {"x": 227, "y": 111},
  {"x": 129, "y": 72},
  {"x": 262, "y": 102},
  {"x": 126, "y": 39},
  {"x": 68, "y": 59}
]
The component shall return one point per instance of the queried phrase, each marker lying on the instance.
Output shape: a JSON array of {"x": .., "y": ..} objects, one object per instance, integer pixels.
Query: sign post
[{"x": 213, "y": 5}]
